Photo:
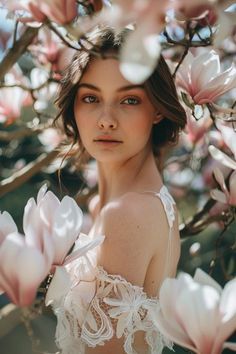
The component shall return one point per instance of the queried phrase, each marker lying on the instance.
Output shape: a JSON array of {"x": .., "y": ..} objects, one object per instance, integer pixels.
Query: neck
[{"x": 136, "y": 174}]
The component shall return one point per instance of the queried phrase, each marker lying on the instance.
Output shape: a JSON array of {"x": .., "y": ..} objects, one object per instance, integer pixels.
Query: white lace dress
[{"x": 94, "y": 306}]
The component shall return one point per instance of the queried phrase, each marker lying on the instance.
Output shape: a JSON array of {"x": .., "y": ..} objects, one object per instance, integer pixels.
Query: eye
[
  {"x": 90, "y": 99},
  {"x": 131, "y": 101}
]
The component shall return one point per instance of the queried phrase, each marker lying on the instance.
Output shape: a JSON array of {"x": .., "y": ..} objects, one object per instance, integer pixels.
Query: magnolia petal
[
  {"x": 219, "y": 196},
  {"x": 48, "y": 250},
  {"x": 139, "y": 56},
  {"x": 9, "y": 252},
  {"x": 220, "y": 179},
  {"x": 197, "y": 308},
  {"x": 228, "y": 303},
  {"x": 217, "y": 87},
  {"x": 172, "y": 333},
  {"x": 203, "y": 278},
  {"x": 59, "y": 286},
  {"x": 7, "y": 225},
  {"x": 82, "y": 246},
  {"x": 6, "y": 288},
  {"x": 66, "y": 227},
  {"x": 226, "y": 22},
  {"x": 183, "y": 78},
  {"x": 42, "y": 191},
  {"x": 229, "y": 345},
  {"x": 222, "y": 157},
  {"x": 224, "y": 332},
  {"x": 169, "y": 292},
  {"x": 232, "y": 189},
  {"x": 47, "y": 208},
  {"x": 30, "y": 272},
  {"x": 228, "y": 134},
  {"x": 31, "y": 224},
  {"x": 61, "y": 12},
  {"x": 204, "y": 68}
]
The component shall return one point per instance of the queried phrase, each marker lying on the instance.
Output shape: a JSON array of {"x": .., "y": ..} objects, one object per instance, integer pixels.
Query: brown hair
[{"x": 160, "y": 88}]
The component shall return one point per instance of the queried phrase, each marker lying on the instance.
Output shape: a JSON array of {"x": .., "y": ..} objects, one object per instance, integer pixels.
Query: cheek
[{"x": 143, "y": 127}]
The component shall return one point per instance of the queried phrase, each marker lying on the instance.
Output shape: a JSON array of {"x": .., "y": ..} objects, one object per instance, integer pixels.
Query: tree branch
[
  {"x": 18, "y": 178},
  {"x": 17, "y": 50},
  {"x": 22, "y": 133}
]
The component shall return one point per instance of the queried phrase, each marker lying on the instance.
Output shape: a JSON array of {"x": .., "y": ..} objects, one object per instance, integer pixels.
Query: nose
[{"x": 107, "y": 119}]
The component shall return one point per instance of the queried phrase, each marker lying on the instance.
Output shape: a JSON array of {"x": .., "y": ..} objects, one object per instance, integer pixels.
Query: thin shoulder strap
[{"x": 168, "y": 204}]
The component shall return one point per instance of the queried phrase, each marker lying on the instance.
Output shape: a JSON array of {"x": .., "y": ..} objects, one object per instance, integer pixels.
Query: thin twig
[{"x": 64, "y": 40}]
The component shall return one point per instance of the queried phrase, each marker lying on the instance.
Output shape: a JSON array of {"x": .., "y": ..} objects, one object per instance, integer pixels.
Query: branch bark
[
  {"x": 17, "y": 50},
  {"x": 18, "y": 178}
]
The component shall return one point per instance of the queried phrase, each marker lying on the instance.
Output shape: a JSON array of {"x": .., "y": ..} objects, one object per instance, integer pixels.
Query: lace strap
[{"x": 168, "y": 204}]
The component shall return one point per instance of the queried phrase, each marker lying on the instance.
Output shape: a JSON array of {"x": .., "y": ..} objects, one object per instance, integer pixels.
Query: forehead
[{"x": 103, "y": 72}]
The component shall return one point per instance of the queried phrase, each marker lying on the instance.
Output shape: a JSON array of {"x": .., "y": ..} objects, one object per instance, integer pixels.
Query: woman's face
[{"x": 114, "y": 117}]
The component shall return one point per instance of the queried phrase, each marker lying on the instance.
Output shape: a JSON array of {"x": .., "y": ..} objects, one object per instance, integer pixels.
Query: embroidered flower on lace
[{"x": 126, "y": 308}]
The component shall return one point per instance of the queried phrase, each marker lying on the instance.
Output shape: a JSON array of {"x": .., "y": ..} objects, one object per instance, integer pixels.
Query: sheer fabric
[{"x": 99, "y": 305}]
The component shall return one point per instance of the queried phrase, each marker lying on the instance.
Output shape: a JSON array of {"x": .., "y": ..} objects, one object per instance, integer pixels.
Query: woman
[{"x": 123, "y": 127}]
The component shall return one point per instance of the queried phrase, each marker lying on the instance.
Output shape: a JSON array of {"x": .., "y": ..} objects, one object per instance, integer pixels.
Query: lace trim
[{"x": 117, "y": 308}]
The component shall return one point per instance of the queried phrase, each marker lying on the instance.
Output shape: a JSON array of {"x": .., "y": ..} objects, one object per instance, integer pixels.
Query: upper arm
[{"x": 136, "y": 230}]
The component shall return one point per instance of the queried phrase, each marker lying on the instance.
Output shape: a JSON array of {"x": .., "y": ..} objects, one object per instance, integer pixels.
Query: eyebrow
[{"x": 120, "y": 89}]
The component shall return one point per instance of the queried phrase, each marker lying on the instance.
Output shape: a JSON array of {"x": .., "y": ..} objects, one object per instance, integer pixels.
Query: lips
[{"x": 107, "y": 139}]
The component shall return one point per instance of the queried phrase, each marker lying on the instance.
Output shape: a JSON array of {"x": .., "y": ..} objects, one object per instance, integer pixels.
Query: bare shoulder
[{"x": 135, "y": 227}]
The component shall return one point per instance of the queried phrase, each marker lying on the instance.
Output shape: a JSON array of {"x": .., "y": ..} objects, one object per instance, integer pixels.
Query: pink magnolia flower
[
  {"x": 225, "y": 195},
  {"x": 59, "y": 11},
  {"x": 51, "y": 219},
  {"x": 10, "y": 110},
  {"x": 51, "y": 228},
  {"x": 197, "y": 313},
  {"x": 202, "y": 79}
]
